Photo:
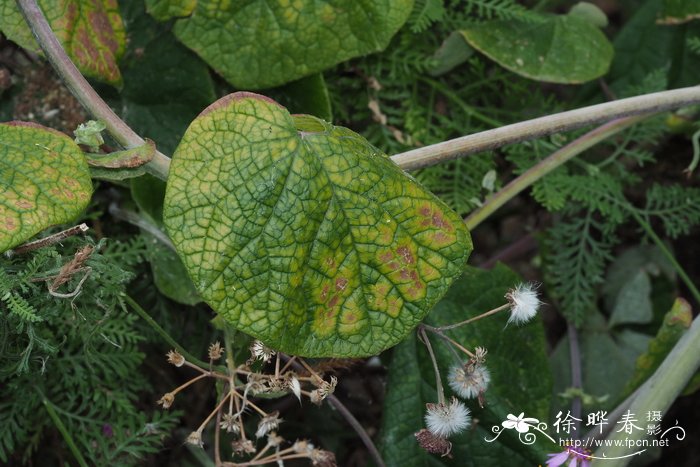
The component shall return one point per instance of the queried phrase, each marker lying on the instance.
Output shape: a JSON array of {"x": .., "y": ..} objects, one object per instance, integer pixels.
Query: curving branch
[{"x": 82, "y": 90}]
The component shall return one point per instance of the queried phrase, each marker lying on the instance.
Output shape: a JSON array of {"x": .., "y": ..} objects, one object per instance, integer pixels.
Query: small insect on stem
[{"x": 50, "y": 240}]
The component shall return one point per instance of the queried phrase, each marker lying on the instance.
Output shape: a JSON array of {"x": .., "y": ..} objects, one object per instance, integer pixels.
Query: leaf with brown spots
[
  {"x": 303, "y": 234},
  {"x": 91, "y": 32},
  {"x": 44, "y": 180}
]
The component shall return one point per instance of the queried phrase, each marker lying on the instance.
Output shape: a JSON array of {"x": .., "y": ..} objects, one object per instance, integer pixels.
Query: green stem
[
  {"x": 82, "y": 90},
  {"x": 667, "y": 253},
  {"x": 62, "y": 429},
  {"x": 657, "y": 394},
  {"x": 547, "y": 165},
  {"x": 166, "y": 337}
]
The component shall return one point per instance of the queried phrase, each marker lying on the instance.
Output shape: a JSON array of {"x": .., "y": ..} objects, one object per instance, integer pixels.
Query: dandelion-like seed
[
  {"x": 175, "y": 358},
  {"x": 268, "y": 423},
  {"x": 470, "y": 380},
  {"x": 260, "y": 351},
  {"x": 432, "y": 443},
  {"x": 195, "y": 438},
  {"x": 444, "y": 420},
  {"x": 230, "y": 424},
  {"x": 523, "y": 303},
  {"x": 167, "y": 400},
  {"x": 215, "y": 351}
]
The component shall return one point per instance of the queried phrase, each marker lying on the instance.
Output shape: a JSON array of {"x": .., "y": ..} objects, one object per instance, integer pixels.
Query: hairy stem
[
  {"x": 82, "y": 90},
  {"x": 538, "y": 127},
  {"x": 545, "y": 166}
]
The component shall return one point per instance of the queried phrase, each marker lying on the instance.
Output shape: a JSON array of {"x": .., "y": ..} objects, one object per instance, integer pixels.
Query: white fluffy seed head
[
  {"x": 523, "y": 303},
  {"x": 469, "y": 384},
  {"x": 444, "y": 420}
]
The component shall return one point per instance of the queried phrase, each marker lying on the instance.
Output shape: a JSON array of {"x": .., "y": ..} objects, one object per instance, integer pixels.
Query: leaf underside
[{"x": 303, "y": 234}]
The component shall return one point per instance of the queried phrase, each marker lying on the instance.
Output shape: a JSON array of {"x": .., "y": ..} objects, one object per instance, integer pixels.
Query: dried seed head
[
  {"x": 243, "y": 446},
  {"x": 256, "y": 384},
  {"x": 175, "y": 358},
  {"x": 322, "y": 458},
  {"x": 523, "y": 303},
  {"x": 444, "y": 420},
  {"x": 215, "y": 351},
  {"x": 167, "y": 400},
  {"x": 295, "y": 387},
  {"x": 268, "y": 423},
  {"x": 479, "y": 355},
  {"x": 470, "y": 380},
  {"x": 274, "y": 440},
  {"x": 315, "y": 397},
  {"x": 260, "y": 351},
  {"x": 230, "y": 424},
  {"x": 327, "y": 388},
  {"x": 303, "y": 447},
  {"x": 195, "y": 438},
  {"x": 432, "y": 443}
]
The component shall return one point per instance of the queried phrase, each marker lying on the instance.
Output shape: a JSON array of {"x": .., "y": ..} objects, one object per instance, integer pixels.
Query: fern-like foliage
[
  {"x": 498, "y": 9},
  {"x": 425, "y": 13},
  {"x": 578, "y": 249},
  {"x": 78, "y": 355},
  {"x": 676, "y": 206}
]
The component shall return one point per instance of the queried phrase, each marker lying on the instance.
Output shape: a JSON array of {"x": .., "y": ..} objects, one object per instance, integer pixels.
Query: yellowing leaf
[
  {"x": 163, "y": 10},
  {"x": 44, "y": 180},
  {"x": 260, "y": 44},
  {"x": 304, "y": 235},
  {"x": 91, "y": 32}
]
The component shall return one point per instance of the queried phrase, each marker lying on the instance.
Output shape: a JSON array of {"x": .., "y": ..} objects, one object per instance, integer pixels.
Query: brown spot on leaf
[
  {"x": 24, "y": 204},
  {"x": 406, "y": 254},
  {"x": 333, "y": 301},
  {"x": 341, "y": 283}
]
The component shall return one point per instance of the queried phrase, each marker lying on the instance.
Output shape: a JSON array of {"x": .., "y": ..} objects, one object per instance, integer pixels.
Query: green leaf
[
  {"x": 633, "y": 302},
  {"x": 607, "y": 360},
  {"x": 676, "y": 323},
  {"x": 163, "y": 10},
  {"x": 520, "y": 382},
  {"x": 44, "y": 181},
  {"x": 556, "y": 49},
  {"x": 169, "y": 274},
  {"x": 303, "y": 234},
  {"x": 308, "y": 95},
  {"x": 91, "y": 32},
  {"x": 452, "y": 52},
  {"x": 156, "y": 104},
  {"x": 679, "y": 11},
  {"x": 258, "y": 44}
]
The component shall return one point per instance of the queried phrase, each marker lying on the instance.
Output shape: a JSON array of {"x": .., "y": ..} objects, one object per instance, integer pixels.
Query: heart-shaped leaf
[
  {"x": 91, "y": 31},
  {"x": 44, "y": 180},
  {"x": 304, "y": 235},
  {"x": 556, "y": 48},
  {"x": 259, "y": 44}
]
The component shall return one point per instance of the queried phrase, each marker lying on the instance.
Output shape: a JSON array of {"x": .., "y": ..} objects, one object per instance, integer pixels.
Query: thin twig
[
  {"x": 438, "y": 380},
  {"x": 82, "y": 90},
  {"x": 576, "y": 380},
  {"x": 48, "y": 240}
]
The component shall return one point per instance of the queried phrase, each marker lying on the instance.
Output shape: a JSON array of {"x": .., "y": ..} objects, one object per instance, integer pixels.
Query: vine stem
[
  {"x": 545, "y": 166},
  {"x": 82, "y": 90},
  {"x": 547, "y": 125}
]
